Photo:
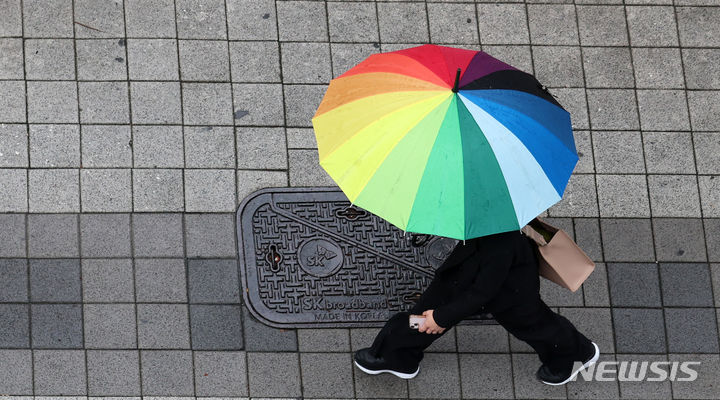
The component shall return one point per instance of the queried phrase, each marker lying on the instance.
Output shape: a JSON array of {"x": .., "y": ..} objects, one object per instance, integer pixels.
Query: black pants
[{"x": 554, "y": 338}]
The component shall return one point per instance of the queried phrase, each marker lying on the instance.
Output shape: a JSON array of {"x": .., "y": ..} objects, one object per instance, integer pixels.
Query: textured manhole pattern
[{"x": 308, "y": 258}]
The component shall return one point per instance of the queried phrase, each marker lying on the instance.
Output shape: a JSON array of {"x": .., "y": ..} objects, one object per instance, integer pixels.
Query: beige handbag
[{"x": 561, "y": 259}]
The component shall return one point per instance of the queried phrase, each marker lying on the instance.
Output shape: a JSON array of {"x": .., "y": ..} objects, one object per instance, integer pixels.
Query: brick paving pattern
[{"x": 130, "y": 131}]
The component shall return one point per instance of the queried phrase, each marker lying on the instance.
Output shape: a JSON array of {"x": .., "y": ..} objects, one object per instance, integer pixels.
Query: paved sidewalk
[{"x": 130, "y": 131}]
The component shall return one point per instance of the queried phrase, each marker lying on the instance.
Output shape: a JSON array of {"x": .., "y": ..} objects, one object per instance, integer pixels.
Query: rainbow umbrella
[{"x": 445, "y": 141}]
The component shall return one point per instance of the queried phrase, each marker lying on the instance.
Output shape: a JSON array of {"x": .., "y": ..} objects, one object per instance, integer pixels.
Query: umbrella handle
[{"x": 457, "y": 81}]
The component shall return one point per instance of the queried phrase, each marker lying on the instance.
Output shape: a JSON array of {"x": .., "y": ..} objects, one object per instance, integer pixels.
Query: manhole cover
[{"x": 308, "y": 258}]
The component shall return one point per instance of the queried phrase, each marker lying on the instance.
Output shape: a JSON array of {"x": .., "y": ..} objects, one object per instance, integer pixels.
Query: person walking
[{"x": 496, "y": 274}]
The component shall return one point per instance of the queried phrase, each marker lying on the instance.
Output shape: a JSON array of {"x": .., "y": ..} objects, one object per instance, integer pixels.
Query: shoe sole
[
  {"x": 380, "y": 371},
  {"x": 587, "y": 364}
]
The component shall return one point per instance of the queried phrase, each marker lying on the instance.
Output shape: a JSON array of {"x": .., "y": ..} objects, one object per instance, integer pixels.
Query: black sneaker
[
  {"x": 370, "y": 364},
  {"x": 545, "y": 375}
]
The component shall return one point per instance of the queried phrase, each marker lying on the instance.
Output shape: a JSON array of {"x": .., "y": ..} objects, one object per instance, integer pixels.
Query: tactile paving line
[{"x": 308, "y": 258}]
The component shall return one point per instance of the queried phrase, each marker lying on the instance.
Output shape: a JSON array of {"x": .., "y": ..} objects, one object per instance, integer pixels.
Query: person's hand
[{"x": 429, "y": 326}]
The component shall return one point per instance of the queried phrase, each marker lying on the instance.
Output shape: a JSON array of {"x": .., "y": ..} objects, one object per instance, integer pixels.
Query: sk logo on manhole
[{"x": 320, "y": 257}]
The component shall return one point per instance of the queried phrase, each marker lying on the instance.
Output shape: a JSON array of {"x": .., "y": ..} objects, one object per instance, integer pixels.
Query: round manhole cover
[{"x": 320, "y": 257}]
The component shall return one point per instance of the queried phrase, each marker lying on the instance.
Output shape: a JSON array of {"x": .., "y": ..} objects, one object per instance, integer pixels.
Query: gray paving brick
[
  {"x": 705, "y": 386},
  {"x": 298, "y": 138},
  {"x": 101, "y": 59},
  {"x": 11, "y": 59},
  {"x": 593, "y": 389},
  {"x": 150, "y": 18},
  {"x": 105, "y": 235},
  {"x": 352, "y": 22},
  {"x": 707, "y": 145},
  {"x": 486, "y": 376},
  {"x": 12, "y": 236},
  {"x": 650, "y": 104},
  {"x": 669, "y": 152},
  {"x": 482, "y": 339},
  {"x": 715, "y": 273},
  {"x": 251, "y": 20},
  {"x": 674, "y": 196},
  {"x": 56, "y": 326},
  {"x": 51, "y": 18},
  {"x": 302, "y": 20},
  {"x": 503, "y": 24},
  {"x": 517, "y": 56},
  {"x": 209, "y": 147},
  {"x": 587, "y": 236},
  {"x": 595, "y": 323},
  {"x": 210, "y": 235},
  {"x": 258, "y": 104},
  {"x": 13, "y": 278},
  {"x": 150, "y": 59},
  {"x": 55, "y": 280},
  {"x": 113, "y": 372},
  {"x": 301, "y": 102},
  {"x": 623, "y": 196},
  {"x": 10, "y": 18},
  {"x": 158, "y": 235},
  {"x": 274, "y": 374},
  {"x": 261, "y": 148},
  {"x": 207, "y": 104},
  {"x": 602, "y": 25},
  {"x": 383, "y": 386},
  {"x": 213, "y": 281},
  {"x": 216, "y": 327},
  {"x": 362, "y": 337},
  {"x": 14, "y": 142},
  {"x": 12, "y": 103},
  {"x": 155, "y": 102},
  {"x": 347, "y": 55},
  {"x": 110, "y": 326},
  {"x": 552, "y": 24},
  {"x": 555, "y": 295},
  {"x": 15, "y": 329},
  {"x": 305, "y": 169},
  {"x": 250, "y": 181},
  {"x": 204, "y": 60},
  {"x": 658, "y": 68},
  {"x": 402, "y": 23},
  {"x": 163, "y": 326},
  {"x": 702, "y": 68},
  {"x": 691, "y": 330},
  {"x": 446, "y": 343},
  {"x": 108, "y": 280},
  {"x": 158, "y": 147},
  {"x": 686, "y": 285},
  {"x": 14, "y": 201},
  {"x": 158, "y": 190},
  {"x": 220, "y": 373},
  {"x": 608, "y": 67},
  {"x": 17, "y": 379},
  {"x": 167, "y": 372},
  {"x": 106, "y": 18},
  {"x": 710, "y": 195},
  {"x": 558, "y": 66},
  {"x": 324, "y": 340},
  {"x": 326, "y": 375},
  {"x": 106, "y": 146},
  {"x": 679, "y": 239},
  {"x": 50, "y": 59},
  {"x": 712, "y": 230},
  {"x": 618, "y": 152},
  {"x": 54, "y": 146},
  {"x": 201, "y": 19},
  {"x": 634, "y": 285},
  {"x": 59, "y": 372},
  {"x": 595, "y": 288},
  {"x": 160, "y": 280},
  {"x": 627, "y": 240},
  {"x": 639, "y": 330},
  {"x": 698, "y": 27},
  {"x": 644, "y": 389},
  {"x": 53, "y": 235},
  {"x": 452, "y": 23},
  {"x": 104, "y": 102},
  {"x": 652, "y": 25},
  {"x": 306, "y": 62},
  {"x": 105, "y": 190},
  {"x": 704, "y": 109},
  {"x": 255, "y": 61},
  {"x": 438, "y": 377},
  {"x": 52, "y": 102},
  {"x": 613, "y": 109},
  {"x": 526, "y": 384},
  {"x": 260, "y": 337}
]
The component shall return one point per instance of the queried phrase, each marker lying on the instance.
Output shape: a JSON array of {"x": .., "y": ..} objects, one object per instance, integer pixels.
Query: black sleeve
[{"x": 484, "y": 287}]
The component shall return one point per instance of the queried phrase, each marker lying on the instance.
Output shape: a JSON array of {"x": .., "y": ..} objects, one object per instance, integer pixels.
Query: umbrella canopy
[{"x": 445, "y": 141}]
